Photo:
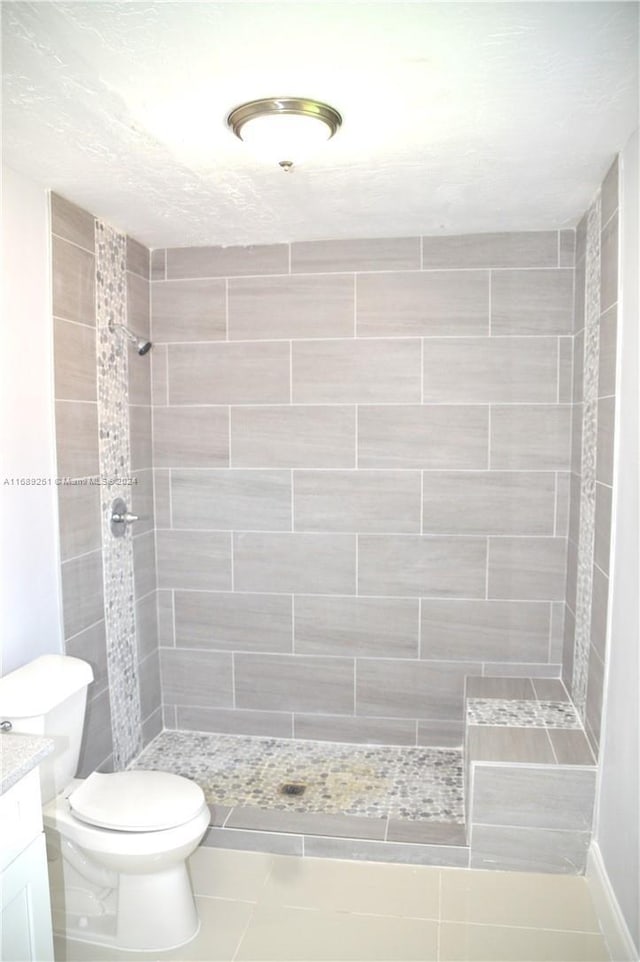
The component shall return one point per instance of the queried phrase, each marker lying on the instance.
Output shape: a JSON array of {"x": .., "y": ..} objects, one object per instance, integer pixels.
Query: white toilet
[{"x": 117, "y": 843}]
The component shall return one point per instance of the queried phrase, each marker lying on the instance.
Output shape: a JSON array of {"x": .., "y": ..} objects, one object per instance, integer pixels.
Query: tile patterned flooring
[
  {"x": 256, "y": 907},
  {"x": 414, "y": 784}
]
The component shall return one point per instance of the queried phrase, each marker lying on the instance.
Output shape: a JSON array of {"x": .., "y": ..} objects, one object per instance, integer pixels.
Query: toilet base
[
  {"x": 127, "y": 917},
  {"x": 152, "y": 912}
]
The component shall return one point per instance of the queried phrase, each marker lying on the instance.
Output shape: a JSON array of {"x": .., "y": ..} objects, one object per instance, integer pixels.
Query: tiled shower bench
[{"x": 530, "y": 777}]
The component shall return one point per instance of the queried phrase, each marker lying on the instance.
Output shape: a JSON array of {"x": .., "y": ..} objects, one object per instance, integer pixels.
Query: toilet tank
[{"x": 48, "y": 697}]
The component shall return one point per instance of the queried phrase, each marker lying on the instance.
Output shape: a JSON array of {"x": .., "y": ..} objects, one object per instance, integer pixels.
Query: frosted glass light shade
[{"x": 284, "y": 130}]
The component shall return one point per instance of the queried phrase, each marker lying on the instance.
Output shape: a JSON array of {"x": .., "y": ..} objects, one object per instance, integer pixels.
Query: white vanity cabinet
[{"x": 26, "y": 909}]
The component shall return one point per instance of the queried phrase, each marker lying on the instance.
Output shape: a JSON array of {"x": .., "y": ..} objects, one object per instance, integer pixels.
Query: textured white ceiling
[{"x": 457, "y": 116}]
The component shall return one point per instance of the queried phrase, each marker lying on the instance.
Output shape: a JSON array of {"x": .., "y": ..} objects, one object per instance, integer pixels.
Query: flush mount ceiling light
[{"x": 284, "y": 129}]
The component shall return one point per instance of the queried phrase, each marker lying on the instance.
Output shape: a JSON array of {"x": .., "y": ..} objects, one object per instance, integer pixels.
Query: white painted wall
[
  {"x": 30, "y": 597},
  {"x": 617, "y": 831}
]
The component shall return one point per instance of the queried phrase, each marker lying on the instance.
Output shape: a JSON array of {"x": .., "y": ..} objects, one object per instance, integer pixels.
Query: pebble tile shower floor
[{"x": 414, "y": 784}]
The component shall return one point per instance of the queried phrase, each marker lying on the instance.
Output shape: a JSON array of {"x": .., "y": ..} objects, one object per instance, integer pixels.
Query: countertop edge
[{"x": 19, "y": 754}]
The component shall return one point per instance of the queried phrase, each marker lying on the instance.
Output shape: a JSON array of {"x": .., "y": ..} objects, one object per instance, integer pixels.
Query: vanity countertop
[{"x": 19, "y": 754}]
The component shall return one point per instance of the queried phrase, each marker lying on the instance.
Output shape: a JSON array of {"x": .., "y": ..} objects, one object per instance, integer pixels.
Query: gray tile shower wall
[
  {"x": 77, "y": 436},
  {"x": 593, "y": 404},
  {"x": 361, "y": 457}
]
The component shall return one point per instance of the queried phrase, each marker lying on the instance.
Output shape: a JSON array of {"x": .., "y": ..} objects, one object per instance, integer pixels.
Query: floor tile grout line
[{"x": 244, "y": 933}]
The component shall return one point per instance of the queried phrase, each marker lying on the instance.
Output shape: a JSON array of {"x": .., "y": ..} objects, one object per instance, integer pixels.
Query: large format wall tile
[
  {"x": 194, "y": 559},
  {"x": 607, "y": 353},
  {"x": 512, "y": 849},
  {"x": 413, "y": 565},
  {"x": 356, "y": 626},
  {"x": 351, "y": 371},
  {"x": 190, "y": 437},
  {"x": 231, "y": 500},
  {"x": 158, "y": 264},
  {"x": 532, "y": 302},
  {"x": 254, "y": 373},
  {"x": 74, "y": 361},
  {"x": 231, "y": 721},
  {"x": 160, "y": 375},
  {"x": 73, "y": 275},
  {"x": 295, "y": 436},
  {"x": 523, "y": 249},
  {"x": 480, "y": 370},
  {"x": 97, "y": 742},
  {"x": 189, "y": 311},
  {"x": 226, "y": 261},
  {"x": 488, "y": 502},
  {"x": 294, "y": 683},
  {"x": 199, "y": 678},
  {"x": 80, "y": 519},
  {"x": 610, "y": 190},
  {"x": 423, "y": 304},
  {"x": 77, "y": 439},
  {"x": 508, "y": 743},
  {"x": 140, "y": 436},
  {"x": 527, "y": 568},
  {"x": 346, "y": 728},
  {"x": 232, "y": 621},
  {"x": 369, "y": 254},
  {"x": 546, "y": 797},
  {"x": 606, "y": 418},
  {"x": 305, "y": 563},
  {"x": 357, "y": 501},
  {"x": 138, "y": 306},
  {"x": 423, "y": 436},
  {"x": 531, "y": 437},
  {"x": 303, "y": 306},
  {"x": 602, "y": 526},
  {"x": 147, "y": 625},
  {"x": 609, "y": 264},
  {"x": 150, "y": 684},
  {"x": 411, "y": 689},
  {"x": 72, "y": 223},
  {"x": 144, "y": 564},
  {"x": 139, "y": 378},
  {"x": 91, "y": 646},
  {"x": 138, "y": 258},
  {"x": 595, "y": 694},
  {"x": 82, "y": 592},
  {"x": 515, "y": 631}
]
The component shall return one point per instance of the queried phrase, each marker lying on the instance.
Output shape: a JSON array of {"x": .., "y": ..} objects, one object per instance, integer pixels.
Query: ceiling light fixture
[{"x": 284, "y": 129}]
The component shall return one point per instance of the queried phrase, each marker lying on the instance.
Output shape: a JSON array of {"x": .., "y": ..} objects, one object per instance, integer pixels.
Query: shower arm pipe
[{"x": 141, "y": 344}]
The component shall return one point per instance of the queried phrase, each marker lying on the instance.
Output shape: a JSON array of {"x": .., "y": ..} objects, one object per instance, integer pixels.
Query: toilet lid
[{"x": 136, "y": 801}]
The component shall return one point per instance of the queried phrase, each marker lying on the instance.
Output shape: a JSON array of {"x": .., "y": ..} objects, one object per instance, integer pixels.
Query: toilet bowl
[
  {"x": 111, "y": 877},
  {"x": 117, "y": 843}
]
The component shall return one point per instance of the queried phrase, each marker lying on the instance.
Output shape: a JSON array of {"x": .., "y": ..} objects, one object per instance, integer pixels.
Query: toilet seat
[{"x": 136, "y": 801}]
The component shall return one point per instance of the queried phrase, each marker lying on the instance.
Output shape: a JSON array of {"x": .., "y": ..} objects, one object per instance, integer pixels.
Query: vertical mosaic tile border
[
  {"x": 115, "y": 463},
  {"x": 584, "y": 595}
]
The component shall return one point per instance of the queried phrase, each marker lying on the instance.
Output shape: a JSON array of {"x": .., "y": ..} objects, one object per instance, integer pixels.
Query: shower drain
[{"x": 292, "y": 788}]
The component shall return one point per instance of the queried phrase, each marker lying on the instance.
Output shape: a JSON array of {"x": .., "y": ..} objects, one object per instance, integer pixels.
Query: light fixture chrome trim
[{"x": 274, "y": 106}]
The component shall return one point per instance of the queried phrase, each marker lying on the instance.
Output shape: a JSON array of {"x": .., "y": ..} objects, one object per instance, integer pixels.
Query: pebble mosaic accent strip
[
  {"x": 371, "y": 781},
  {"x": 588, "y": 467},
  {"x": 522, "y": 714},
  {"x": 115, "y": 463}
]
